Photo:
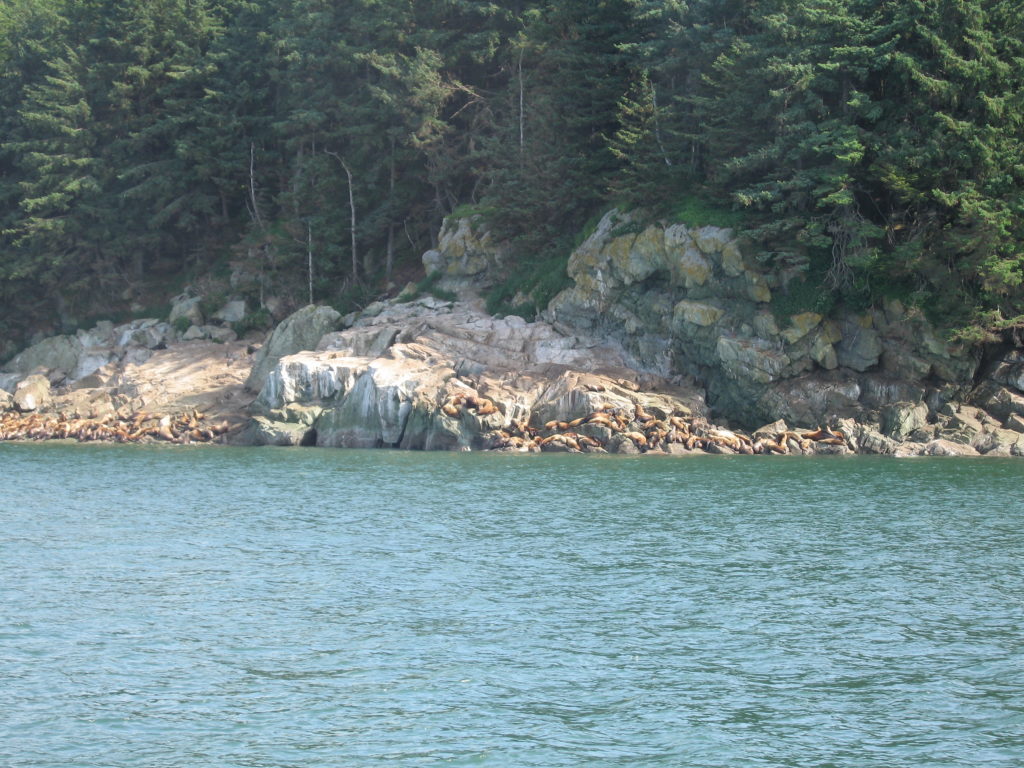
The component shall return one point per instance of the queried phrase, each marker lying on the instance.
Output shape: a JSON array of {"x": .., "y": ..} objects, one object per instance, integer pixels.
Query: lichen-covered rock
[
  {"x": 6, "y": 400},
  {"x": 302, "y": 330},
  {"x": 467, "y": 254}
]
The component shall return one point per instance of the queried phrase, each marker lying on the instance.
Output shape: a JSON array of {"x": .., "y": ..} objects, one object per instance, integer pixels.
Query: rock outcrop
[
  {"x": 82, "y": 354},
  {"x": 692, "y": 301},
  {"x": 300, "y": 331},
  {"x": 387, "y": 380}
]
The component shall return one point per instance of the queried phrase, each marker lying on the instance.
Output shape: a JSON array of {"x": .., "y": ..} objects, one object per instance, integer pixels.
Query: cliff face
[
  {"x": 440, "y": 375},
  {"x": 660, "y": 322},
  {"x": 691, "y": 301}
]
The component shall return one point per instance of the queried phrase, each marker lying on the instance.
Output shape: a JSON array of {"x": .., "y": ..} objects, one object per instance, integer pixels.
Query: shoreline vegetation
[
  {"x": 293, "y": 153},
  {"x": 809, "y": 224}
]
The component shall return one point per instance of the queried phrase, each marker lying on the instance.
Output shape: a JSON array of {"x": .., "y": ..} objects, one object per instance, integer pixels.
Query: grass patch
[
  {"x": 429, "y": 285},
  {"x": 807, "y": 292},
  {"x": 539, "y": 281},
  {"x": 258, "y": 319},
  {"x": 696, "y": 211}
]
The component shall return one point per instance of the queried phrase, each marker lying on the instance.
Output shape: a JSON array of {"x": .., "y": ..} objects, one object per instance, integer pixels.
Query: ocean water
[{"x": 184, "y": 607}]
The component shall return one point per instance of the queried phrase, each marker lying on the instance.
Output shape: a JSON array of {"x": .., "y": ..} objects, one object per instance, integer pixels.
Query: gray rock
[
  {"x": 1015, "y": 422},
  {"x": 232, "y": 312},
  {"x": 263, "y": 431},
  {"x": 998, "y": 442},
  {"x": 771, "y": 431},
  {"x": 948, "y": 448},
  {"x": 622, "y": 444},
  {"x": 92, "y": 359},
  {"x": 860, "y": 347},
  {"x": 186, "y": 307},
  {"x": 33, "y": 393},
  {"x": 219, "y": 334},
  {"x": 900, "y": 420},
  {"x": 878, "y": 391},
  {"x": 751, "y": 359},
  {"x": 298, "y": 332},
  {"x": 55, "y": 352},
  {"x": 811, "y": 400},
  {"x": 9, "y": 381},
  {"x": 998, "y": 400},
  {"x": 1010, "y": 373},
  {"x": 148, "y": 333}
]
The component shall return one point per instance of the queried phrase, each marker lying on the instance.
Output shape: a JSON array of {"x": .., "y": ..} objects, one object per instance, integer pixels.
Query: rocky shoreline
[
  {"x": 668, "y": 341},
  {"x": 429, "y": 374}
]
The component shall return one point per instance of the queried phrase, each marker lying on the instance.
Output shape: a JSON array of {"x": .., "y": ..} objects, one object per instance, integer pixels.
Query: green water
[{"x": 219, "y": 607}]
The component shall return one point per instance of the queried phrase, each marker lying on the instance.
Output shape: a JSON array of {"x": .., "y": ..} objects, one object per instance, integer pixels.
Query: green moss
[
  {"x": 428, "y": 286},
  {"x": 538, "y": 280},
  {"x": 807, "y": 292},
  {"x": 259, "y": 319},
  {"x": 702, "y": 211}
]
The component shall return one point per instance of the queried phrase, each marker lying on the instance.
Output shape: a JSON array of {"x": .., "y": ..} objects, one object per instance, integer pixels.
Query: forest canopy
[{"x": 875, "y": 148}]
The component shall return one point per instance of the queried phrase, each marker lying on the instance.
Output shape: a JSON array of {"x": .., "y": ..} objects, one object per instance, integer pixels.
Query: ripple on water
[{"x": 328, "y": 608}]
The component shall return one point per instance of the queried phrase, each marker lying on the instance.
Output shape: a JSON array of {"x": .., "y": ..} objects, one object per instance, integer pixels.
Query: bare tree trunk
[
  {"x": 522, "y": 118},
  {"x": 252, "y": 185},
  {"x": 309, "y": 257},
  {"x": 389, "y": 259},
  {"x": 352, "y": 209}
]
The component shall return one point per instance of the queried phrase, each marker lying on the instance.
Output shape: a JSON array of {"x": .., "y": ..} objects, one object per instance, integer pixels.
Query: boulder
[
  {"x": 6, "y": 400},
  {"x": 263, "y": 431},
  {"x": 33, "y": 393},
  {"x": 999, "y": 442},
  {"x": 1015, "y": 422},
  {"x": 300, "y": 331},
  {"x": 900, "y": 420},
  {"x": 948, "y": 448},
  {"x": 232, "y": 312},
  {"x": 860, "y": 347},
  {"x": 186, "y": 307},
  {"x": 147, "y": 333},
  {"x": 55, "y": 352},
  {"x": 9, "y": 382},
  {"x": 1002, "y": 402}
]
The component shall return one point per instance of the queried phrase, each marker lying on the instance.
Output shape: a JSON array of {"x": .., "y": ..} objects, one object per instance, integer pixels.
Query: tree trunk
[{"x": 389, "y": 259}]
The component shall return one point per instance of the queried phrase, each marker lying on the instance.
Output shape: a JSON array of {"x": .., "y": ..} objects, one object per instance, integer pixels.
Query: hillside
[{"x": 290, "y": 152}]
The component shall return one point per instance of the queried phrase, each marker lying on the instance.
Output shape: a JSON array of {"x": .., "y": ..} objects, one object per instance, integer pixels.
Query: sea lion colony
[
  {"x": 600, "y": 431},
  {"x": 182, "y": 428},
  {"x": 606, "y": 427}
]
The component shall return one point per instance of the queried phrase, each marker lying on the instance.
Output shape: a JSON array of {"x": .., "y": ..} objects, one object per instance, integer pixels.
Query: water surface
[{"x": 183, "y": 607}]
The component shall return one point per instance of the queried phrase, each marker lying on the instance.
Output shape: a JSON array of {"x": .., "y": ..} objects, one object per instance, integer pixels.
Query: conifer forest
[{"x": 873, "y": 148}]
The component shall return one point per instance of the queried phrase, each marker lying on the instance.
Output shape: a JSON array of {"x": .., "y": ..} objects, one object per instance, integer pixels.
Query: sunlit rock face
[{"x": 695, "y": 301}]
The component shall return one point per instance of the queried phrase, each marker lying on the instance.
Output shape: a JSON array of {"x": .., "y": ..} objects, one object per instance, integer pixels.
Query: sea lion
[
  {"x": 485, "y": 407},
  {"x": 820, "y": 434},
  {"x": 637, "y": 437}
]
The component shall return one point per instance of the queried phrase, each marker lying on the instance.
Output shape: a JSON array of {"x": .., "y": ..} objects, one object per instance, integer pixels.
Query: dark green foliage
[{"x": 876, "y": 145}]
